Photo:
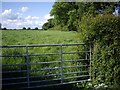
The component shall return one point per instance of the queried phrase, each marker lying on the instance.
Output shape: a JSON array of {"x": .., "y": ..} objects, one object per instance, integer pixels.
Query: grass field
[{"x": 20, "y": 37}]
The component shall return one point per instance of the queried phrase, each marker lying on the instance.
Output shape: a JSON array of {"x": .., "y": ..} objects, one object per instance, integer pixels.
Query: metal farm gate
[{"x": 35, "y": 66}]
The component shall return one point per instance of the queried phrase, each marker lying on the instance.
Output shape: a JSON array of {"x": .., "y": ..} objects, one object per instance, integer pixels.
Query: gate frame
[{"x": 61, "y": 62}]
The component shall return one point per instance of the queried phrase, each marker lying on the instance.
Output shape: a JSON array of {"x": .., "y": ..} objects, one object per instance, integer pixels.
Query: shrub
[
  {"x": 104, "y": 32},
  {"x": 59, "y": 28}
]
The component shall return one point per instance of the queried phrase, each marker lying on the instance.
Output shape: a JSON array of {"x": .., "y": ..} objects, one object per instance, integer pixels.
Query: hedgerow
[{"x": 104, "y": 33}]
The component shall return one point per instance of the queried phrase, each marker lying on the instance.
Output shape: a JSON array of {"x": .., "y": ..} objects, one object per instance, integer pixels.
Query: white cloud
[
  {"x": 24, "y": 9},
  {"x": 47, "y": 16},
  {"x": 7, "y": 14},
  {"x": 16, "y": 20},
  {"x": 20, "y": 22},
  {"x": 31, "y": 18}
]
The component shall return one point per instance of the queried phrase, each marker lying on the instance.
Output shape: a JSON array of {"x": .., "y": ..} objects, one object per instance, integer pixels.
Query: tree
[
  {"x": 60, "y": 12},
  {"x": 70, "y": 13},
  {"x": 0, "y": 26},
  {"x": 4, "y": 28},
  {"x": 24, "y": 28},
  {"x": 29, "y": 28},
  {"x": 36, "y": 28},
  {"x": 48, "y": 24}
]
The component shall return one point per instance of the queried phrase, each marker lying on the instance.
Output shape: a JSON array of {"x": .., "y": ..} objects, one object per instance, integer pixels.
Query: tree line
[
  {"x": 24, "y": 28},
  {"x": 67, "y": 15}
]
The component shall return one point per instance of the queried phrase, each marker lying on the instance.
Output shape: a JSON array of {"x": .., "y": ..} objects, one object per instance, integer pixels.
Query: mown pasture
[{"x": 20, "y": 37}]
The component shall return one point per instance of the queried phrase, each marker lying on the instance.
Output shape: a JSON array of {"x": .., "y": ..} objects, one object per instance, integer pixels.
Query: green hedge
[{"x": 104, "y": 32}]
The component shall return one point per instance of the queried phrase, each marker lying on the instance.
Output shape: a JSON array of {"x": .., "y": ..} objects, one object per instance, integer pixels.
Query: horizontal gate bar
[
  {"x": 44, "y": 62},
  {"x": 45, "y": 80},
  {"x": 75, "y": 72},
  {"x": 13, "y": 64},
  {"x": 30, "y": 70},
  {"x": 45, "y": 75},
  {"x": 45, "y": 54},
  {"x": 13, "y": 78},
  {"x": 19, "y": 55},
  {"x": 75, "y": 66},
  {"x": 45, "y": 69},
  {"x": 14, "y": 83},
  {"x": 75, "y": 60},
  {"x": 13, "y": 71},
  {"x": 40, "y": 45},
  {"x": 77, "y": 77}
]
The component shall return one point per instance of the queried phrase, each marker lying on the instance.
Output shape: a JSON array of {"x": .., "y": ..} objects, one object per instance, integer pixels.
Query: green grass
[{"x": 20, "y": 37}]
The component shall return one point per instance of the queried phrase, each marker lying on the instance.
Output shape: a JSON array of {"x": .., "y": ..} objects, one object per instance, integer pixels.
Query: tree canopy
[{"x": 70, "y": 13}]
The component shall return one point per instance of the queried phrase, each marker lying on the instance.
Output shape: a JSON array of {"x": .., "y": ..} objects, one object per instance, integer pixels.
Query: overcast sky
[{"x": 25, "y": 14}]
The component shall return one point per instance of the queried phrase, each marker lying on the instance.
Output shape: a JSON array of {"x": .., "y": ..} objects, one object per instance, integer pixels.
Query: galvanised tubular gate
[{"x": 81, "y": 75}]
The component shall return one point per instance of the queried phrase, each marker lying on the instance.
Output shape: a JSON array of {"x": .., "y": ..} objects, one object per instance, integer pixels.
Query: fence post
[
  {"x": 86, "y": 56},
  {"x": 61, "y": 64},
  {"x": 27, "y": 62},
  {"x": 90, "y": 50}
]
